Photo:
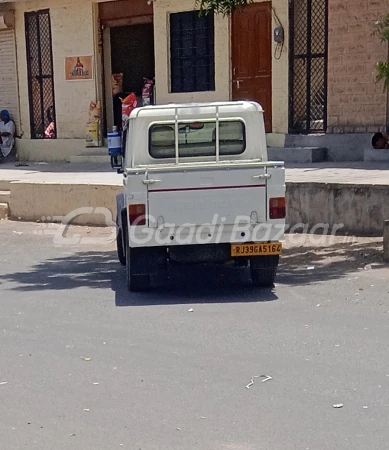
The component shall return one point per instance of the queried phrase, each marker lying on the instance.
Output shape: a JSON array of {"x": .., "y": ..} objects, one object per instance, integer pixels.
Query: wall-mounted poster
[{"x": 79, "y": 68}]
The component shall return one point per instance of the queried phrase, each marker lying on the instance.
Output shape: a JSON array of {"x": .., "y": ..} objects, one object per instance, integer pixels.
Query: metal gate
[
  {"x": 40, "y": 72},
  {"x": 308, "y": 66}
]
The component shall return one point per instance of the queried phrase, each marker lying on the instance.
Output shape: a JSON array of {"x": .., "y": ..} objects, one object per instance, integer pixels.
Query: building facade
[
  {"x": 310, "y": 63},
  {"x": 356, "y": 103}
]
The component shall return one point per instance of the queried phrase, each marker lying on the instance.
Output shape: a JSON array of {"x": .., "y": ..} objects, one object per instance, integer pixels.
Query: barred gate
[
  {"x": 308, "y": 66},
  {"x": 40, "y": 72}
]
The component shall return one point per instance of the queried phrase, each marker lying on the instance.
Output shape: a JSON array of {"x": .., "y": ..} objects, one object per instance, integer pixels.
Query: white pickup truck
[{"x": 198, "y": 188}]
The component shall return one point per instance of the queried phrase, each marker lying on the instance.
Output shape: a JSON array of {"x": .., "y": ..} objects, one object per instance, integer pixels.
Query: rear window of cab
[{"x": 197, "y": 139}]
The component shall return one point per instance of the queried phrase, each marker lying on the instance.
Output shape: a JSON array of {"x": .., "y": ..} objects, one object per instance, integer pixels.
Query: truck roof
[{"x": 192, "y": 109}]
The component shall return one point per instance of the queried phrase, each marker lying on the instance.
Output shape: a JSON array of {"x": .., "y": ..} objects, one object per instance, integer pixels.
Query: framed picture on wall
[{"x": 79, "y": 68}]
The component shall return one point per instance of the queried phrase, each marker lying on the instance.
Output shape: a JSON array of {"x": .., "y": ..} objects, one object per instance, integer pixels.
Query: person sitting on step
[
  {"x": 50, "y": 130},
  {"x": 380, "y": 141},
  {"x": 7, "y": 134}
]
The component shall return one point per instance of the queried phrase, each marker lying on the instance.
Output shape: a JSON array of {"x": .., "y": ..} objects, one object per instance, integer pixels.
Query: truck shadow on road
[
  {"x": 101, "y": 270},
  {"x": 194, "y": 284},
  {"x": 301, "y": 265}
]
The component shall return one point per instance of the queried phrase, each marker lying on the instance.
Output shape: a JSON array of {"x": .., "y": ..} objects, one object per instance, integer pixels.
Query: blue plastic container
[{"x": 115, "y": 143}]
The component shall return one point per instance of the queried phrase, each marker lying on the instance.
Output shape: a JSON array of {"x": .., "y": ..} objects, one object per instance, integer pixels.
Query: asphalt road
[{"x": 85, "y": 365}]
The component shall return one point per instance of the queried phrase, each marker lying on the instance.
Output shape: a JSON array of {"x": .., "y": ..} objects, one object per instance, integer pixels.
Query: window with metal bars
[
  {"x": 40, "y": 75},
  {"x": 192, "y": 48},
  {"x": 308, "y": 66}
]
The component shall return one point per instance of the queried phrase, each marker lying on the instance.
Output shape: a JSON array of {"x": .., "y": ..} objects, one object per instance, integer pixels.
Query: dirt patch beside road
[
  {"x": 356, "y": 252},
  {"x": 310, "y": 258}
]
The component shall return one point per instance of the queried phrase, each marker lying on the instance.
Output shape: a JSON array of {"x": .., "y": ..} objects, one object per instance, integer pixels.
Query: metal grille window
[
  {"x": 40, "y": 74},
  {"x": 308, "y": 66},
  {"x": 192, "y": 46}
]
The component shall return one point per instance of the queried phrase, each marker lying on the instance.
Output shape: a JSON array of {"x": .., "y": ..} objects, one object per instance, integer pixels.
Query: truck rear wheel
[
  {"x": 264, "y": 270},
  {"x": 135, "y": 282},
  {"x": 121, "y": 249}
]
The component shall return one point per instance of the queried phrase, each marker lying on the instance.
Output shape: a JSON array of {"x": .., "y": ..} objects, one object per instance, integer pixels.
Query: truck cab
[{"x": 198, "y": 188}]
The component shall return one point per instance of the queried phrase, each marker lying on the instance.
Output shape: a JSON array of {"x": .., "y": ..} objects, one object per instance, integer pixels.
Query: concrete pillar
[{"x": 386, "y": 240}]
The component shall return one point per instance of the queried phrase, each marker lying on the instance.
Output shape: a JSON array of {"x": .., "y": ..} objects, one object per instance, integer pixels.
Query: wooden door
[{"x": 252, "y": 57}]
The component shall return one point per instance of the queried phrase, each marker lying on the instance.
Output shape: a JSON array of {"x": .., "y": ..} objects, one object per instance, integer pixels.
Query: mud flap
[
  {"x": 145, "y": 261},
  {"x": 120, "y": 207}
]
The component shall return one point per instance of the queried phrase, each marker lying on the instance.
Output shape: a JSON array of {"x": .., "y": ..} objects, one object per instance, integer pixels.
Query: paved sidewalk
[
  {"x": 102, "y": 174},
  {"x": 369, "y": 173},
  {"x": 61, "y": 173}
]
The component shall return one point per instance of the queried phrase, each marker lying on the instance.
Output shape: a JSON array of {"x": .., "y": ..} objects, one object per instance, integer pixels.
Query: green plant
[
  {"x": 381, "y": 30},
  {"x": 382, "y": 69},
  {"x": 224, "y": 7}
]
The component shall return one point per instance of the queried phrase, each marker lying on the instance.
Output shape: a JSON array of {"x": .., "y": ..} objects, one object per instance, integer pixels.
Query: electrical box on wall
[
  {"x": 279, "y": 35},
  {"x": 6, "y": 20}
]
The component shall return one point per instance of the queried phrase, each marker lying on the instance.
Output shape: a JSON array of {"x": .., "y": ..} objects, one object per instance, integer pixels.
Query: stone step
[
  {"x": 97, "y": 159},
  {"x": 95, "y": 151},
  {"x": 373, "y": 155},
  {"x": 5, "y": 197},
  {"x": 299, "y": 155},
  {"x": 4, "y": 211}
]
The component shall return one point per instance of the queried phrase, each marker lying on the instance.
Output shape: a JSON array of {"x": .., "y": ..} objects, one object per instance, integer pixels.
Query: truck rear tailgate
[{"x": 201, "y": 197}]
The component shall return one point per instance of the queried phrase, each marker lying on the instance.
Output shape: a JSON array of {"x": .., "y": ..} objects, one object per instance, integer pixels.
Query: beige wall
[
  {"x": 356, "y": 103},
  {"x": 72, "y": 35},
  {"x": 162, "y": 9}
]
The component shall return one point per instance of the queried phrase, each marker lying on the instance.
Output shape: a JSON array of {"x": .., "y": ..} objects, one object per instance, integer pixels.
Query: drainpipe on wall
[
  {"x": 387, "y": 104},
  {"x": 97, "y": 57}
]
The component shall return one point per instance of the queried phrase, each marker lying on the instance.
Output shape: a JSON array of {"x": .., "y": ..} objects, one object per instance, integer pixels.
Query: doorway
[
  {"x": 308, "y": 66},
  {"x": 252, "y": 57},
  {"x": 130, "y": 59}
]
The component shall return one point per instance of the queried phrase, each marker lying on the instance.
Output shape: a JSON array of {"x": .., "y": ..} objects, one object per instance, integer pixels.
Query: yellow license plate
[{"x": 242, "y": 250}]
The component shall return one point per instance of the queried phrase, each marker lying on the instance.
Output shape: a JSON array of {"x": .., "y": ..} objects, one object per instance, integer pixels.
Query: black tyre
[
  {"x": 135, "y": 282},
  {"x": 264, "y": 277},
  {"x": 121, "y": 247},
  {"x": 264, "y": 270}
]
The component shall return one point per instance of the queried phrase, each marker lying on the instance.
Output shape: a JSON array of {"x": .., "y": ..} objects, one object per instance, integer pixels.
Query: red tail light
[
  {"x": 277, "y": 208},
  {"x": 137, "y": 214}
]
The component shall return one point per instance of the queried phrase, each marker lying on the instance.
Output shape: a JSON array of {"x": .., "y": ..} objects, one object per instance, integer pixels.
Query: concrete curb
[
  {"x": 51, "y": 202},
  {"x": 361, "y": 208}
]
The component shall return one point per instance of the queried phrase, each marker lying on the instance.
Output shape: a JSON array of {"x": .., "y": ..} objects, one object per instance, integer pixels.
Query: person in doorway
[
  {"x": 50, "y": 130},
  {"x": 380, "y": 141},
  {"x": 7, "y": 134}
]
